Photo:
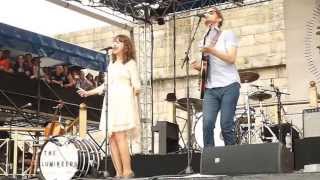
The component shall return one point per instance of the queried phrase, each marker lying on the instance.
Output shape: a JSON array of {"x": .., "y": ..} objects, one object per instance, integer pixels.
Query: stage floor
[{"x": 290, "y": 176}]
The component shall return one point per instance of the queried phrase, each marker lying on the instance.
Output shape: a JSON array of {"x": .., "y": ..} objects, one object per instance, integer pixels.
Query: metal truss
[
  {"x": 149, "y": 10},
  {"x": 146, "y": 97}
]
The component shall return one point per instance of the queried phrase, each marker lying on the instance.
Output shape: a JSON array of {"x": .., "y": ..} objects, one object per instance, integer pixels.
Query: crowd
[{"x": 62, "y": 75}]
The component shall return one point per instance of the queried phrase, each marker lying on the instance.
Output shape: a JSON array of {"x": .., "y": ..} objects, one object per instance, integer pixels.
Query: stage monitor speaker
[
  {"x": 168, "y": 136},
  {"x": 246, "y": 159},
  {"x": 311, "y": 122},
  {"x": 306, "y": 151}
]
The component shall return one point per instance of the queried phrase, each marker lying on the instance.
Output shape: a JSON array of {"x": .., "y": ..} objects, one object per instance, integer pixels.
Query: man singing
[{"x": 223, "y": 83}]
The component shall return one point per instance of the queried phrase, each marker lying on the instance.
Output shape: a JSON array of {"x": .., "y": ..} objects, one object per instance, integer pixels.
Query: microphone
[
  {"x": 107, "y": 48},
  {"x": 26, "y": 105},
  {"x": 201, "y": 15},
  {"x": 256, "y": 86},
  {"x": 55, "y": 141},
  {"x": 271, "y": 82}
]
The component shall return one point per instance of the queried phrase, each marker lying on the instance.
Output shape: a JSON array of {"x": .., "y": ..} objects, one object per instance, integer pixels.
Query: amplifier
[
  {"x": 306, "y": 151},
  {"x": 168, "y": 136},
  {"x": 246, "y": 159},
  {"x": 311, "y": 122}
]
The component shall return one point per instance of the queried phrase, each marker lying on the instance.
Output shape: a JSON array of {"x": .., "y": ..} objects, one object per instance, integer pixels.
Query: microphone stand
[
  {"x": 106, "y": 174},
  {"x": 279, "y": 107},
  {"x": 189, "y": 169}
]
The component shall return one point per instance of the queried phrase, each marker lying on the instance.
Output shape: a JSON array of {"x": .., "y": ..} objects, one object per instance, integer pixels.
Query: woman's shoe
[
  {"x": 131, "y": 175},
  {"x": 117, "y": 177}
]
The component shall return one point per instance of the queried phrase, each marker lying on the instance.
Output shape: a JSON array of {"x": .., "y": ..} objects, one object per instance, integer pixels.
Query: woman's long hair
[{"x": 128, "y": 48}]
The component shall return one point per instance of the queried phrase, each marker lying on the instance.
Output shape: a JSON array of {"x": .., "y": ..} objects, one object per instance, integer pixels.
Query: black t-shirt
[{"x": 61, "y": 77}]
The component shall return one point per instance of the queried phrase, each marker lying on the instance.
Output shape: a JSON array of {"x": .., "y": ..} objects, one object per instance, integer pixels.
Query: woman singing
[{"x": 123, "y": 113}]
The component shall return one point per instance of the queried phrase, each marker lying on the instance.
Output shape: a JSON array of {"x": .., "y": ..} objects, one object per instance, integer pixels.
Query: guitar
[
  {"x": 54, "y": 127},
  {"x": 205, "y": 61},
  {"x": 203, "y": 74}
]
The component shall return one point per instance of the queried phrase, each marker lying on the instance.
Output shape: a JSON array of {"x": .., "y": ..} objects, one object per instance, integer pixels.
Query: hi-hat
[
  {"x": 194, "y": 103},
  {"x": 247, "y": 77},
  {"x": 260, "y": 96}
]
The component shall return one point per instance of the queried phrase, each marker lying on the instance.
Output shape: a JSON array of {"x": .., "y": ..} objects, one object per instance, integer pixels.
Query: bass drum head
[
  {"x": 198, "y": 131},
  {"x": 59, "y": 159}
]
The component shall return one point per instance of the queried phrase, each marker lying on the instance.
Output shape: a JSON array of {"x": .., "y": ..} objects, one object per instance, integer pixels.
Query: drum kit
[{"x": 250, "y": 127}]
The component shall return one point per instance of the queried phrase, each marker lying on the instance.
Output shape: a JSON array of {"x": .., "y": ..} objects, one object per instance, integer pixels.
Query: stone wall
[{"x": 260, "y": 28}]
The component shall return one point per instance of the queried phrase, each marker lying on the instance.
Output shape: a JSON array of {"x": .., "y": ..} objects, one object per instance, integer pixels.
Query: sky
[{"x": 43, "y": 17}]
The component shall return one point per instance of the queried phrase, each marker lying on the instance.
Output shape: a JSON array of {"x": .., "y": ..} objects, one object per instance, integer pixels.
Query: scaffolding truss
[{"x": 146, "y": 98}]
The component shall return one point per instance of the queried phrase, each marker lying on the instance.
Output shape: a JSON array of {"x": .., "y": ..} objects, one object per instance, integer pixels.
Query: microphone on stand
[
  {"x": 26, "y": 105},
  {"x": 256, "y": 86}
]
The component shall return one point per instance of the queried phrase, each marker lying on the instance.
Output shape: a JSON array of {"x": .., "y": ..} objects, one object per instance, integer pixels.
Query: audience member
[
  {"x": 89, "y": 76},
  {"x": 58, "y": 76},
  {"x": 18, "y": 66},
  {"x": 99, "y": 79},
  {"x": 84, "y": 83},
  {"x": 5, "y": 63},
  {"x": 28, "y": 64}
]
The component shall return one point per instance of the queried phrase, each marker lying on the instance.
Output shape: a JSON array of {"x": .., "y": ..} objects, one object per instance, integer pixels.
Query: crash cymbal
[
  {"x": 260, "y": 96},
  {"x": 247, "y": 77},
  {"x": 194, "y": 103}
]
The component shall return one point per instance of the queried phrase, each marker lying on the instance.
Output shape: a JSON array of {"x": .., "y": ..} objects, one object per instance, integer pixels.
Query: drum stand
[
  {"x": 247, "y": 108},
  {"x": 264, "y": 125}
]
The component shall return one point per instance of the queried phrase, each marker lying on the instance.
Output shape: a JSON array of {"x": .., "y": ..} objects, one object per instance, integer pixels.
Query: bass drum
[
  {"x": 285, "y": 128},
  {"x": 65, "y": 157},
  {"x": 198, "y": 131}
]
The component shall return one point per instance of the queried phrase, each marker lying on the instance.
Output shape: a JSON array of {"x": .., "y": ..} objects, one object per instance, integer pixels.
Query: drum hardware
[
  {"x": 195, "y": 103},
  {"x": 278, "y": 94},
  {"x": 247, "y": 77},
  {"x": 195, "y": 107},
  {"x": 261, "y": 96}
]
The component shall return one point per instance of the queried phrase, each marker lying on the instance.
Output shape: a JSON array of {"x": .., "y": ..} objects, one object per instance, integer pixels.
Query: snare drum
[{"x": 64, "y": 157}]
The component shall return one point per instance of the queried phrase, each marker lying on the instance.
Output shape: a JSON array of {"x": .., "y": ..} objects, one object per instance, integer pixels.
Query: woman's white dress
[{"x": 123, "y": 109}]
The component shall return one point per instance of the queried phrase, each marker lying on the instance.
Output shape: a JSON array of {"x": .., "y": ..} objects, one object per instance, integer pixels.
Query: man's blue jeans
[{"x": 222, "y": 99}]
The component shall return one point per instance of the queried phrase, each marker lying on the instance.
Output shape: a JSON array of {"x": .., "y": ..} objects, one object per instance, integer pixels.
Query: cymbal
[
  {"x": 194, "y": 103},
  {"x": 247, "y": 77},
  {"x": 260, "y": 96}
]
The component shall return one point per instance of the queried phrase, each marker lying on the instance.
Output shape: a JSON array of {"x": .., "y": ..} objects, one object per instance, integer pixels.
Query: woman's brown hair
[{"x": 128, "y": 48}]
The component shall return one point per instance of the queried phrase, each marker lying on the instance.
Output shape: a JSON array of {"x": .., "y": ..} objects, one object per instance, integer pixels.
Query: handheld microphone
[
  {"x": 201, "y": 15},
  {"x": 26, "y": 105},
  {"x": 107, "y": 48}
]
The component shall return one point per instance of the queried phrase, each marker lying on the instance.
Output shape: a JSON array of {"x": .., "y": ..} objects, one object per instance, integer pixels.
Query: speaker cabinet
[
  {"x": 311, "y": 122},
  {"x": 246, "y": 159},
  {"x": 306, "y": 151}
]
